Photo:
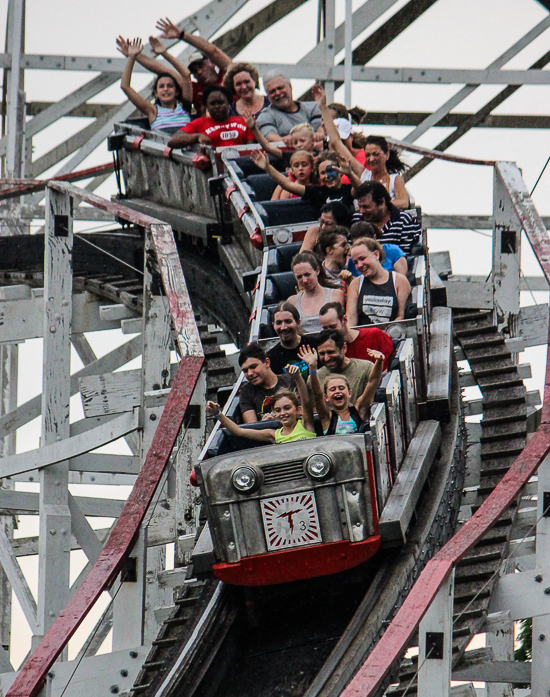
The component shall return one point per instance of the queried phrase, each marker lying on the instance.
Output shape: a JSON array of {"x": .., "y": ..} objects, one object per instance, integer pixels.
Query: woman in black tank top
[{"x": 377, "y": 296}]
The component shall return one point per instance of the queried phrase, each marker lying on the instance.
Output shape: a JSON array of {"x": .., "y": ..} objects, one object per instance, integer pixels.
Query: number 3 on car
[{"x": 290, "y": 521}]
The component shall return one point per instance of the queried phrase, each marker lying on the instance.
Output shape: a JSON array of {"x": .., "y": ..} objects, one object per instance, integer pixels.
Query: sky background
[{"x": 451, "y": 34}]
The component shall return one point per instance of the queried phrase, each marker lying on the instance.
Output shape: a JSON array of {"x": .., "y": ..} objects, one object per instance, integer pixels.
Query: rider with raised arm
[
  {"x": 208, "y": 66},
  {"x": 171, "y": 89},
  {"x": 333, "y": 401}
]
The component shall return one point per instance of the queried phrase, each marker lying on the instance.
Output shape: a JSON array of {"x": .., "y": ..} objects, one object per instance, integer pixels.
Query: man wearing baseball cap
[{"x": 207, "y": 65}]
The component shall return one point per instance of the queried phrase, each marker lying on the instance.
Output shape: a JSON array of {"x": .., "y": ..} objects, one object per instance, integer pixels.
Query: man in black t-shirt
[
  {"x": 286, "y": 323},
  {"x": 256, "y": 394}
]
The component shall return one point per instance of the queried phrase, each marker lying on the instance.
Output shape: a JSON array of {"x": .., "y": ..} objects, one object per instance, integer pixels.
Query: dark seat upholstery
[
  {"x": 286, "y": 212},
  {"x": 285, "y": 255},
  {"x": 279, "y": 286},
  {"x": 139, "y": 122},
  {"x": 262, "y": 185}
]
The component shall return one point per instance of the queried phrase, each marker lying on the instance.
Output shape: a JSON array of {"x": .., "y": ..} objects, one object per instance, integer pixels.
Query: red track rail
[
  {"x": 30, "y": 680},
  {"x": 396, "y": 639}
]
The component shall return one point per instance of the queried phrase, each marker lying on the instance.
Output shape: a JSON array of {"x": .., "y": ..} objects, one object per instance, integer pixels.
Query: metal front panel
[
  {"x": 342, "y": 501},
  {"x": 381, "y": 454},
  {"x": 408, "y": 382}
]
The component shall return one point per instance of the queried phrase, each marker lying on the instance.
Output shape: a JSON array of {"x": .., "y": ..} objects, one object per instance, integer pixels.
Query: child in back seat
[{"x": 337, "y": 415}]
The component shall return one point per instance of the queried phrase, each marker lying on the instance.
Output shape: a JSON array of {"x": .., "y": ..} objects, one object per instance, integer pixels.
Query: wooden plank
[
  {"x": 23, "y": 319},
  {"x": 110, "y": 393},
  {"x": 398, "y": 511},
  {"x": 54, "y": 512},
  {"x": 496, "y": 671},
  {"x": 104, "y": 572},
  {"x": 469, "y": 294},
  {"x": 22, "y": 502},
  {"x": 111, "y": 361},
  {"x": 70, "y": 447},
  {"x": 18, "y": 581},
  {"x": 176, "y": 290},
  {"x": 440, "y": 363}
]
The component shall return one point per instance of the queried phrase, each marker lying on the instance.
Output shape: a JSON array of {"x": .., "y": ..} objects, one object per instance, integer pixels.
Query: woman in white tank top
[
  {"x": 383, "y": 163},
  {"x": 316, "y": 291}
]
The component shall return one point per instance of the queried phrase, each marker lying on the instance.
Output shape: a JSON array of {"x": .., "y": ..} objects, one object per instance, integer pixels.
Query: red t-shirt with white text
[
  {"x": 232, "y": 131},
  {"x": 374, "y": 339}
]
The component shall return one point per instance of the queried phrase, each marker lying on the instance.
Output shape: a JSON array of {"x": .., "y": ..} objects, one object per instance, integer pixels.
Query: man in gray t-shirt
[
  {"x": 331, "y": 348},
  {"x": 284, "y": 113}
]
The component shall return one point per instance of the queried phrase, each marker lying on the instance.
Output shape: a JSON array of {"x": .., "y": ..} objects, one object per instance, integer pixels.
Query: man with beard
[
  {"x": 286, "y": 323},
  {"x": 276, "y": 122},
  {"x": 394, "y": 225},
  {"x": 331, "y": 348},
  {"x": 358, "y": 341}
]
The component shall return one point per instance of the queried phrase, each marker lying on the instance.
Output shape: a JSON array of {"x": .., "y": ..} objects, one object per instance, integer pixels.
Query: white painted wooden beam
[
  {"x": 18, "y": 581},
  {"x": 65, "y": 449},
  {"x": 55, "y": 518}
]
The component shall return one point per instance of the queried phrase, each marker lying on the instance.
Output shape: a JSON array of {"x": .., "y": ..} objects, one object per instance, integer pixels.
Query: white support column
[
  {"x": 330, "y": 36},
  {"x": 9, "y": 354},
  {"x": 16, "y": 94},
  {"x": 187, "y": 496},
  {"x": 540, "y": 669},
  {"x": 500, "y": 637},
  {"x": 348, "y": 35},
  {"x": 55, "y": 518},
  {"x": 436, "y": 644},
  {"x": 136, "y": 602},
  {"x": 506, "y": 247}
]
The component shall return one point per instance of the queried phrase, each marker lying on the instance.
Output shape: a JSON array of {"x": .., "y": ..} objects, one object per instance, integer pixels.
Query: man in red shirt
[
  {"x": 218, "y": 129},
  {"x": 207, "y": 67},
  {"x": 332, "y": 316}
]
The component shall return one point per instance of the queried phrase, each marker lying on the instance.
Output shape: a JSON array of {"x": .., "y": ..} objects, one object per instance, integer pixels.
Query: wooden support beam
[
  {"x": 18, "y": 581},
  {"x": 22, "y": 502},
  {"x": 475, "y": 119},
  {"x": 111, "y": 361},
  {"x": 55, "y": 517},
  {"x": 50, "y": 455}
]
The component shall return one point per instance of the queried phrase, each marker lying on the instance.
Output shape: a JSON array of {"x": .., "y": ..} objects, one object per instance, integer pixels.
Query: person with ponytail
[
  {"x": 383, "y": 163},
  {"x": 316, "y": 289}
]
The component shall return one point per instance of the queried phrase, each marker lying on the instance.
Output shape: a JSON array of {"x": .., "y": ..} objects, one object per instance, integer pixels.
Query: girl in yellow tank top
[{"x": 286, "y": 408}]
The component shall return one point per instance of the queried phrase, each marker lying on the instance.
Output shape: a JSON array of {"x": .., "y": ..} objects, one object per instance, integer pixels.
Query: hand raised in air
[
  {"x": 319, "y": 95},
  {"x": 377, "y": 355},
  {"x": 156, "y": 45},
  {"x": 307, "y": 354},
  {"x": 260, "y": 158},
  {"x": 168, "y": 28}
]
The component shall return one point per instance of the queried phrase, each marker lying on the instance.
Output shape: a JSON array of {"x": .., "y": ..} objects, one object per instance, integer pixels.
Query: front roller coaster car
[{"x": 286, "y": 512}]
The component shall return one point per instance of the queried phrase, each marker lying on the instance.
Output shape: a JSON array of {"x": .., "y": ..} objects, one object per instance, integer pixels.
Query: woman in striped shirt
[{"x": 172, "y": 89}]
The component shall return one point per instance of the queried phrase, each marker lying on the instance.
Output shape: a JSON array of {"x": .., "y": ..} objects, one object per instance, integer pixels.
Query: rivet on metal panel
[{"x": 542, "y": 637}]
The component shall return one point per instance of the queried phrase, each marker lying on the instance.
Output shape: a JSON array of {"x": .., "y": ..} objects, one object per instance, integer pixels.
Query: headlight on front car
[
  {"x": 246, "y": 479},
  {"x": 318, "y": 466}
]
